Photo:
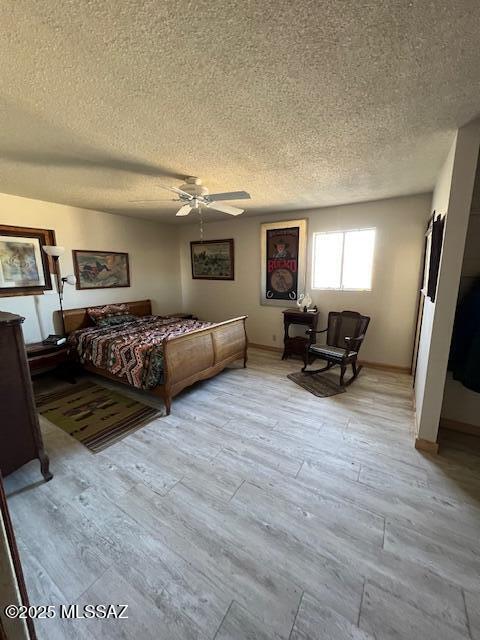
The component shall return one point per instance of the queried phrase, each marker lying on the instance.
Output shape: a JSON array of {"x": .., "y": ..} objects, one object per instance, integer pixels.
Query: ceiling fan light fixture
[{"x": 193, "y": 195}]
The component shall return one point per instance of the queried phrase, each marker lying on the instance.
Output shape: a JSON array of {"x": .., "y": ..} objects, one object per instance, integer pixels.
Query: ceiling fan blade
[
  {"x": 184, "y": 211},
  {"x": 175, "y": 190},
  {"x": 229, "y": 195},
  {"x": 156, "y": 200},
  {"x": 90, "y": 158},
  {"x": 225, "y": 208}
]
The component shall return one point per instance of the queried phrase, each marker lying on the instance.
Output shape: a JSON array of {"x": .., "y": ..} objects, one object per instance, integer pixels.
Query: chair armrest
[
  {"x": 359, "y": 338},
  {"x": 314, "y": 331}
]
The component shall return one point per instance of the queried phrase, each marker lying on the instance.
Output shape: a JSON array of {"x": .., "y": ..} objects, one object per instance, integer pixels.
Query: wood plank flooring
[{"x": 258, "y": 511}]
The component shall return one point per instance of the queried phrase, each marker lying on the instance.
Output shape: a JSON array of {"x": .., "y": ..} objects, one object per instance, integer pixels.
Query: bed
[{"x": 170, "y": 355}]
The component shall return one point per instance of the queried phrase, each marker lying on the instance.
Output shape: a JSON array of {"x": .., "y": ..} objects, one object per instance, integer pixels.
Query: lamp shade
[
  {"x": 53, "y": 250},
  {"x": 70, "y": 279}
]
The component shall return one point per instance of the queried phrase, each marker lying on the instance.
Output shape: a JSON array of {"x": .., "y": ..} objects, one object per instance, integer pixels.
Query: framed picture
[
  {"x": 24, "y": 267},
  {"x": 434, "y": 244},
  {"x": 283, "y": 268},
  {"x": 101, "y": 269},
  {"x": 212, "y": 260}
]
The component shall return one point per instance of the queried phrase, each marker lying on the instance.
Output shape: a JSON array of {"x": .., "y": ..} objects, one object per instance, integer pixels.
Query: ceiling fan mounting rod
[{"x": 201, "y": 223}]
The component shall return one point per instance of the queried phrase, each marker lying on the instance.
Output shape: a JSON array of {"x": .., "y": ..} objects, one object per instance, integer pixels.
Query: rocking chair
[{"x": 345, "y": 333}]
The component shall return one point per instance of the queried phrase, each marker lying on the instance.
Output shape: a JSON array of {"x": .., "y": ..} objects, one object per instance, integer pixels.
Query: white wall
[
  {"x": 152, "y": 249},
  {"x": 400, "y": 225},
  {"x": 452, "y": 196},
  {"x": 440, "y": 200}
]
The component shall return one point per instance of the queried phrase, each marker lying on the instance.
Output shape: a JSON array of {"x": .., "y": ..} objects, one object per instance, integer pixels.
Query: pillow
[
  {"x": 112, "y": 321},
  {"x": 107, "y": 311}
]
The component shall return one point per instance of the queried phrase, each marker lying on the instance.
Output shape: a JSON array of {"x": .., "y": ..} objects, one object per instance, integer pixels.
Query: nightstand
[
  {"x": 48, "y": 357},
  {"x": 297, "y": 345}
]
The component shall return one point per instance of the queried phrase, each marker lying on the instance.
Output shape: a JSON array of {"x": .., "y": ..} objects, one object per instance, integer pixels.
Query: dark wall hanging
[
  {"x": 212, "y": 259},
  {"x": 437, "y": 228},
  {"x": 283, "y": 261}
]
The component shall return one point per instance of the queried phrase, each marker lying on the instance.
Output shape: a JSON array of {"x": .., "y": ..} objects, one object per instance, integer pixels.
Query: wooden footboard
[{"x": 201, "y": 354}]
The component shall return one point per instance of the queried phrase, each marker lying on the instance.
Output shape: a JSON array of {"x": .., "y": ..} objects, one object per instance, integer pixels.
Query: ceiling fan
[{"x": 194, "y": 195}]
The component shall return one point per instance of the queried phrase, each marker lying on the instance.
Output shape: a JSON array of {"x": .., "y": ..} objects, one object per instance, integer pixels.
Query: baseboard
[
  {"x": 462, "y": 427},
  {"x": 365, "y": 363},
  {"x": 265, "y": 347},
  {"x": 426, "y": 445},
  {"x": 385, "y": 367}
]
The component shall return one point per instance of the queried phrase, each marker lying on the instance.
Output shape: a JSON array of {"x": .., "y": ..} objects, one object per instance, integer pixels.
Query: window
[{"x": 343, "y": 259}]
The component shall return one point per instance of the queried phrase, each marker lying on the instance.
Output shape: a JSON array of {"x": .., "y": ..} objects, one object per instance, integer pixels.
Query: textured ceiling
[{"x": 303, "y": 104}]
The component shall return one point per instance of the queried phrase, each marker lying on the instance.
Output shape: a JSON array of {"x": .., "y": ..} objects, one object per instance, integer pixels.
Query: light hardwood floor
[{"x": 259, "y": 511}]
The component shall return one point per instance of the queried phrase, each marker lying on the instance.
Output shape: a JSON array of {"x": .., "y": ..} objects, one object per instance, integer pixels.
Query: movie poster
[
  {"x": 282, "y": 264},
  {"x": 283, "y": 248}
]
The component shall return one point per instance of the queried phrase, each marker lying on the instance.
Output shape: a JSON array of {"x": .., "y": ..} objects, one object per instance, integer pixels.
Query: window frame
[{"x": 343, "y": 232}]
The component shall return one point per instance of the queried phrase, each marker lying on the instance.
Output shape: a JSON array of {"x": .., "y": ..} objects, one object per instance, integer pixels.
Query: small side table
[
  {"x": 297, "y": 345},
  {"x": 49, "y": 357}
]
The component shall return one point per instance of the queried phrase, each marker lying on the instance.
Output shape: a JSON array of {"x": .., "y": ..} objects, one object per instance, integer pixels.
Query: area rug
[
  {"x": 97, "y": 417},
  {"x": 318, "y": 385}
]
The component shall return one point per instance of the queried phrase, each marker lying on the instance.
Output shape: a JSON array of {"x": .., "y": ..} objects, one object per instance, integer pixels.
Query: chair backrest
[{"x": 346, "y": 324}]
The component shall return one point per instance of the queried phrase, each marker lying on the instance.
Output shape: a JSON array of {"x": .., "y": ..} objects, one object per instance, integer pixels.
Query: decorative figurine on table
[
  {"x": 307, "y": 301},
  {"x": 304, "y": 302}
]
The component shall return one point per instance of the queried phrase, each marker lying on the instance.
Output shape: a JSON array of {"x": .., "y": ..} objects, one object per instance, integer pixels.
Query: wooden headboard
[{"x": 79, "y": 318}]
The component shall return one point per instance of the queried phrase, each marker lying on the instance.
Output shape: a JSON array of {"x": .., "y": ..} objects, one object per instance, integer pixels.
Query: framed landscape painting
[
  {"x": 101, "y": 269},
  {"x": 24, "y": 267},
  {"x": 212, "y": 260}
]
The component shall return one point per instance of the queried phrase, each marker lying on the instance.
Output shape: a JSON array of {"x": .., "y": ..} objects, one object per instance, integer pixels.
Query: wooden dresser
[{"x": 19, "y": 428}]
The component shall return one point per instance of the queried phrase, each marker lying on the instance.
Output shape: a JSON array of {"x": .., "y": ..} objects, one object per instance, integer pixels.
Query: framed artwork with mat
[
  {"x": 283, "y": 261},
  {"x": 24, "y": 267}
]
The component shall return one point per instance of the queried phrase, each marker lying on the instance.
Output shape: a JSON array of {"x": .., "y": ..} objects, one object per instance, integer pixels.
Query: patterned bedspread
[{"x": 132, "y": 350}]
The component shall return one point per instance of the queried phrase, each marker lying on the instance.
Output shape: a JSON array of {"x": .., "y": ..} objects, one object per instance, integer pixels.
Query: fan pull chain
[{"x": 201, "y": 223}]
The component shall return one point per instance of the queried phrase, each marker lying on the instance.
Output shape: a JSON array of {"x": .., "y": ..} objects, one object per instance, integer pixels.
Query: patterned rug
[
  {"x": 97, "y": 417},
  {"x": 319, "y": 385}
]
